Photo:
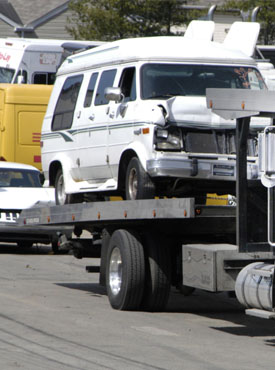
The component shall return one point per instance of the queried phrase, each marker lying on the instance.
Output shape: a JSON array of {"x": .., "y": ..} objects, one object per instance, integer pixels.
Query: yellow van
[{"x": 22, "y": 109}]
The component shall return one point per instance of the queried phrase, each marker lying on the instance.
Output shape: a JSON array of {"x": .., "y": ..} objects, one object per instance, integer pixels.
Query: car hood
[{"x": 22, "y": 198}]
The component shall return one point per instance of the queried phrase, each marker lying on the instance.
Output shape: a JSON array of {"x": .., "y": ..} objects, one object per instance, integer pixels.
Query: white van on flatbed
[{"x": 130, "y": 118}]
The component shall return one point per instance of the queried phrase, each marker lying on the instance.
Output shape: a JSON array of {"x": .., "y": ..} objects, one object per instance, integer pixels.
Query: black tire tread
[
  {"x": 158, "y": 274},
  {"x": 146, "y": 189},
  {"x": 134, "y": 270}
]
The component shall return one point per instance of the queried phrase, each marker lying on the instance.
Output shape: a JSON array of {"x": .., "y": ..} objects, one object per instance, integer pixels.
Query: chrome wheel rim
[
  {"x": 61, "y": 196},
  {"x": 133, "y": 183},
  {"x": 115, "y": 271}
]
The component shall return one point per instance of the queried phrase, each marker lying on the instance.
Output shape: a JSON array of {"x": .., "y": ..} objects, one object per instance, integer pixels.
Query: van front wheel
[{"x": 138, "y": 183}]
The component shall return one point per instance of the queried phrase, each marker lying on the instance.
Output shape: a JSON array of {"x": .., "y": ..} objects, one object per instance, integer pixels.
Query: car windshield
[
  {"x": 166, "y": 80},
  {"x": 6, "y": 75},
  {"x": 13, "y": 178}
]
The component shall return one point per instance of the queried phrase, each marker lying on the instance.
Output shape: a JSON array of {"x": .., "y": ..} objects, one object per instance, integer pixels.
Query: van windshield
[
  {"x": 166, "y": 80},
  {"x": 6, "y": 75}
]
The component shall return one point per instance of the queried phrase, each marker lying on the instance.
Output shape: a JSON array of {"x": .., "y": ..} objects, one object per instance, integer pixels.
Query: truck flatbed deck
[{"x": 179, "y": 216}]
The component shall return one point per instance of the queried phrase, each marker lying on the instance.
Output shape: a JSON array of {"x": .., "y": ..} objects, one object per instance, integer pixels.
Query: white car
[{"x": 21, "y": 188}]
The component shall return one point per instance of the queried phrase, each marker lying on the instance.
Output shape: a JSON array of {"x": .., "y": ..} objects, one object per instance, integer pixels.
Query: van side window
[
  {"x": 106, "y": 80},
  {"x": 128, "y": 84},
  {"x": 64, "y": 110},
  {"x": 90, "y": 90}
]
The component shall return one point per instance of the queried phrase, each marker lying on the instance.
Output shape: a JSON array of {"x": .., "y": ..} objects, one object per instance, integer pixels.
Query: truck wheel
[
  {"x": 138, "y": 183},
  {"x": 24, "y": 244},
  {"x": 157, "y": 274},
  {"x": 125, "y": 271},
  {"x": 106, "y": 236}
]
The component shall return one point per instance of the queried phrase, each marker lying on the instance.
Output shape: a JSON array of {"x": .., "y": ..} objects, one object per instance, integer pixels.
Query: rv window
[
  {"x": 65, "y": 106},
  {"x": 44, "y": 78},
  {"x": 51, "y": 78},
  {"x": 128, "y": 84},
  {"x": 40, "y": 78},
  {"x": 106, "y": 80},
  {"x": 6, "y": 75},
  {"x": 165, "y": 80},
  {"x": 90, "y": 90}
]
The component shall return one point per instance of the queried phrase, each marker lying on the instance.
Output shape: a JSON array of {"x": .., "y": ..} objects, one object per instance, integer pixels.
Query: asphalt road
[{"x": 54, "y": 315}]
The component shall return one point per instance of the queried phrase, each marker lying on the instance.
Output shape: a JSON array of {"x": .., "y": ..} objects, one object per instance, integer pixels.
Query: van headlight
[{"x": 168, "y": 139}]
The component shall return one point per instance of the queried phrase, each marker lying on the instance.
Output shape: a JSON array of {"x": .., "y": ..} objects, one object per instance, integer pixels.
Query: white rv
[
  {"x": 130, "y": 118},
  {"x": 34, "y": 61}
]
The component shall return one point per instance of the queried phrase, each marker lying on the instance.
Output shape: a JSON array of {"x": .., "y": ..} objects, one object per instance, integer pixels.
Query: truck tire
[
  {"x": 125, "y": 271},
  {"x": 106, "y": 236},
  {"x": 138, "y": 184},
  {"x": 55, "y": 247},
  {"x": 25, "y": 244},
  {"x": 157, "y": 274}
]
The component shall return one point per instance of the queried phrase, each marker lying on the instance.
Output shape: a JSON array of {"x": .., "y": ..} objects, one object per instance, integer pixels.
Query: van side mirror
[{"x": 113, "y": 94}]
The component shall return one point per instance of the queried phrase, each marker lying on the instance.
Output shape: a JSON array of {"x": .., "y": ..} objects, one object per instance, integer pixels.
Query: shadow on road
[
  {"x": 37, "y": 249},
  {"x": 214, "y": 306},
  {"x": 94, "y": 289},
  {"x": 6, "y": 248}
]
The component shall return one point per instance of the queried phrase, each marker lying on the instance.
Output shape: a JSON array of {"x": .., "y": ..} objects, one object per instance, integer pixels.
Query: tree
[
  {"x": 115, "y": 19},
  {"x": 266, "y": 16}
]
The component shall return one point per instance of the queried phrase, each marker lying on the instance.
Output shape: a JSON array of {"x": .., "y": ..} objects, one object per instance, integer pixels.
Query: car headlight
[{"x": 168, "y": 139}]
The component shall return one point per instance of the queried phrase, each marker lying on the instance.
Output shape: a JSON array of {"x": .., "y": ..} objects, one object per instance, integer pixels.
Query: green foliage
[
  {"x": 115, "y": 19},
  {"x": 266, "y": 16}
]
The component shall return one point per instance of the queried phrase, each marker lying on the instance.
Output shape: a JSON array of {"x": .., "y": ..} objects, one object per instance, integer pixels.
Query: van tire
[
  {"x": 139, "y": 184},
  {"x": 61, "y": 197}
]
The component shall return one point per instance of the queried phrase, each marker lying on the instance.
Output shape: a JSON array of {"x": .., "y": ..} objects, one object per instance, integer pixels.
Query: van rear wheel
[
  {"x": 139, "y": 185},
  {"x": 61, "y": 197}
]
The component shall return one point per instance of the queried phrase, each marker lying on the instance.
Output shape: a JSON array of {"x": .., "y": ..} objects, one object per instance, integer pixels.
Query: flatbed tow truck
[{"x": 147, "y": 246}]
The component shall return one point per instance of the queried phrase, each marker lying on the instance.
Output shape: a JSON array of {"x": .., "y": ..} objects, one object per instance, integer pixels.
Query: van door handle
[{"x": 92, "y": 117}]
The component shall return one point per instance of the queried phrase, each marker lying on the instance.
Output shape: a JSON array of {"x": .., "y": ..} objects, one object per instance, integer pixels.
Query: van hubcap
[
  {"x": 133, "y": 183},
  {"x": 60, "y": 190}
]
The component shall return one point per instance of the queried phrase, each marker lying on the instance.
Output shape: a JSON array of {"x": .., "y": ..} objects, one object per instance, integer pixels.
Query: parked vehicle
[
  {"x": 21, "y": 188},
  {"x": 129, "y": 118},
  {"x": 35, "y": 61},
  {"x": 22, "y": 109}
]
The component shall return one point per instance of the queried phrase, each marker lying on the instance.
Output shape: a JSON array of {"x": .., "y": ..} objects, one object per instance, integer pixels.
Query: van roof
[
  {"x": 160, "y": 48},
  {"x": 26, "y": 93}
]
